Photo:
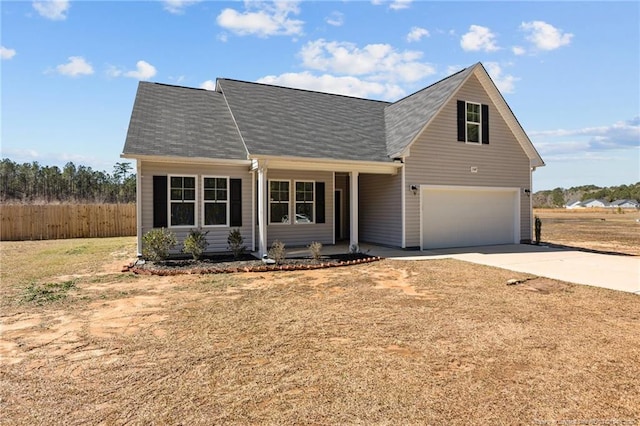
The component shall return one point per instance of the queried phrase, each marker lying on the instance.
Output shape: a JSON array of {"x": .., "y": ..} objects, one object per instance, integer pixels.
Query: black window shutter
[
  {"x": 160, "y": 202},
  {"x": 485, "y": 124},
  {"x": 236, "y": 202},
  {"x": 462, "y": 121},
  {"x": 320, "y": 215}
]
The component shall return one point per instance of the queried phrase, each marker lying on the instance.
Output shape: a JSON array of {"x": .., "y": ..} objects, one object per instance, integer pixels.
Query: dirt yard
[
  {"x": 597, "y": 229},
  {"x": 390, "y": 342}
]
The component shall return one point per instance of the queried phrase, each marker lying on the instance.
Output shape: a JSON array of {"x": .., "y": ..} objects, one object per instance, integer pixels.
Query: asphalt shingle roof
[
  {"x": 405, "y": 118},
  {"x": 182, "y": 122},
  {"x": 281, "y": 121},
  {"x": 242, "y": 119}
]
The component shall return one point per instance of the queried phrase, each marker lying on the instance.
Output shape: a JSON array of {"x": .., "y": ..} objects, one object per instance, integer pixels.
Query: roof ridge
[
  {"x": 176, "y": 86},
  {"x": 304, "y": 90}
]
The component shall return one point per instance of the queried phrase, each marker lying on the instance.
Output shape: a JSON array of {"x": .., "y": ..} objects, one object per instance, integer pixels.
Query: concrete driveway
[{"x": 616, "y": 272}]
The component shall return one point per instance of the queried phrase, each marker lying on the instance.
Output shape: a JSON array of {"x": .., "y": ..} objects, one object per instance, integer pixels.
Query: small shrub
[
  {"x": 354, "y": 249},
  {"x": 316, "y": 250},
  {"x": 235, "y": 243},
  {"x": 157, "y": 243},
  {"x": 196, "y": 243},
  {"x": 538, "y": 229},
  {"x": 277, "y": 252}
]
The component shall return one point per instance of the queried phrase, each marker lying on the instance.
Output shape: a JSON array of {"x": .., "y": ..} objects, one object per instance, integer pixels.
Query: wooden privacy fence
[{"x": 56, "y": 221}]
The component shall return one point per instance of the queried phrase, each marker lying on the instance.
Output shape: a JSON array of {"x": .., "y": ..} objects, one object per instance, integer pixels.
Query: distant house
[
  {"x": 625, "y": 204},
  {"x": 575, "y": 205},
  {"x": 448, "y": 166},
  {"x": 595, "y": 203}
]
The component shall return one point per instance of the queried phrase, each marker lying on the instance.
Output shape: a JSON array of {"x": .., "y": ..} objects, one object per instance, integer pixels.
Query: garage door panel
[{"x": 468, "y": 217}]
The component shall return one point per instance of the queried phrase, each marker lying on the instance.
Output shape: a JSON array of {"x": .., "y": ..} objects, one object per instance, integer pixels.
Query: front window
[
  {"x": 279, "y": 201},
  {"x": 182, "y": 200},
  {"x": 215, "y": 201},
  {"x": 304, "y": 202},
  {"x": 473, "y": 122}
]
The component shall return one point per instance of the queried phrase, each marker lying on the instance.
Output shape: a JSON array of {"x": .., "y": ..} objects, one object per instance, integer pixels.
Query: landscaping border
[{"x": 132, "y": 267}]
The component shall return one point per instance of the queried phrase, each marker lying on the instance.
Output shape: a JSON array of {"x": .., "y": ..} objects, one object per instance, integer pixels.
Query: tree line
[
  {"x": 34, "y": 183},
  {"x": 560, "y": 197}
]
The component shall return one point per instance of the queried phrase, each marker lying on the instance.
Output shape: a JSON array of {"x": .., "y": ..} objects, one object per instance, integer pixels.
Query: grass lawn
[
  {"x": 598, "y": 229},
  {"x": 390, "y": 342}
]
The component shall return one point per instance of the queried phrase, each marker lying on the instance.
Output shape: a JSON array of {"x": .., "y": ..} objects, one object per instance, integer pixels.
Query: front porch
[{"x": 299, "y": 203}]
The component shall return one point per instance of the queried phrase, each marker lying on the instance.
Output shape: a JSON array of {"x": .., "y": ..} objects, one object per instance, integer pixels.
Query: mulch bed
[{"x": 225, "y": 264}]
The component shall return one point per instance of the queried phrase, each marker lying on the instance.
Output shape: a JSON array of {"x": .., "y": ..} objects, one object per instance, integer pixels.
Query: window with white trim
[
  {"x": 473, "y": 122},
  {"x": 305, "y": 202},
  {"x": 215, "y": 201},
  {"x": 279, "y": 197},
  {"x": 182, "y": 200}
]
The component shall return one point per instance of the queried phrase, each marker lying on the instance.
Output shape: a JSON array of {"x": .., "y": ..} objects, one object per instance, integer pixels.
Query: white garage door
[{"x": 469, "y": 216}]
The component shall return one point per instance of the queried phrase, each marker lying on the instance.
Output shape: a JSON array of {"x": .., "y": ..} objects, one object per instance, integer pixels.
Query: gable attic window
[
  {"x": 182, "y": 200},
  {"x": 215, "y": 201},
  {"x": 473, "y": 122}
]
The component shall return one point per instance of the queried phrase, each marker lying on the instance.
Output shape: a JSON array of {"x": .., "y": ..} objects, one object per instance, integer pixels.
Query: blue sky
[{"x": 569, "y": 70}]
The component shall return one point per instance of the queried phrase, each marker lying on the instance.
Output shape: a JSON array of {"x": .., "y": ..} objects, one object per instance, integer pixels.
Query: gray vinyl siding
[
  {"x": 380, "y": 209},
  {"x": 303, "y": 234},
  {"x": 437, "y": 158},
  {"x": 217, "y": 236}
]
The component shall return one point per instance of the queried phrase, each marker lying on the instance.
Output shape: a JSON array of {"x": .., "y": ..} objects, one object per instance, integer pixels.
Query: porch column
[
  {"x": 353, "y": 211},
  {"x": 139, "y": 206},
  {"x": 262, "y": 209}
]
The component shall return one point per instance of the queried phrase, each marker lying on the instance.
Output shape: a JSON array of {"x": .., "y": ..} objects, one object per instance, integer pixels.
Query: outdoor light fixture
[
  {"x": 527, "y": 191},
  {"x": 414, "y": 189}
]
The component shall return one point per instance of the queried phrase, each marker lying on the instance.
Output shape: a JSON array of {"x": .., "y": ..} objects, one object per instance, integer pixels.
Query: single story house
[
  {"x": 575, "y": 205},
  {"x": 625, "y": 204},
  {"x": 595, "y": 203},
  {"x": 448, "y": 166}
]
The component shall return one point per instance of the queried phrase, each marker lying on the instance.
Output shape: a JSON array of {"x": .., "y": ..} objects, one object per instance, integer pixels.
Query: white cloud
[
  {"x": 262, "y": 19},
  {"x": 479, "y": 38},
  {"x": 55, "y": 10},
  {"x": 400, "y": 4},
  {"x": 6, "y": 53},
  {"x": 341, "y": 85},
  {"x": 504, "y": 82},
  {"x": 394, "y": 4},
  {"x": 518, "y": 50},
  {"x": 377, "y": 61},
  {"x": 336, "y": 19},
  {"x": 619, "y": 135},
  {"x": 208, "y": 85},
  {"x": 178, "y": 6},
  {"x": 76, "y": 66},
  {"x": 417, "y": 33},
  {"x": 143, "y": 71},
  {"x": 545, "y": 36},
  {"x": 601, "y": 143}
]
